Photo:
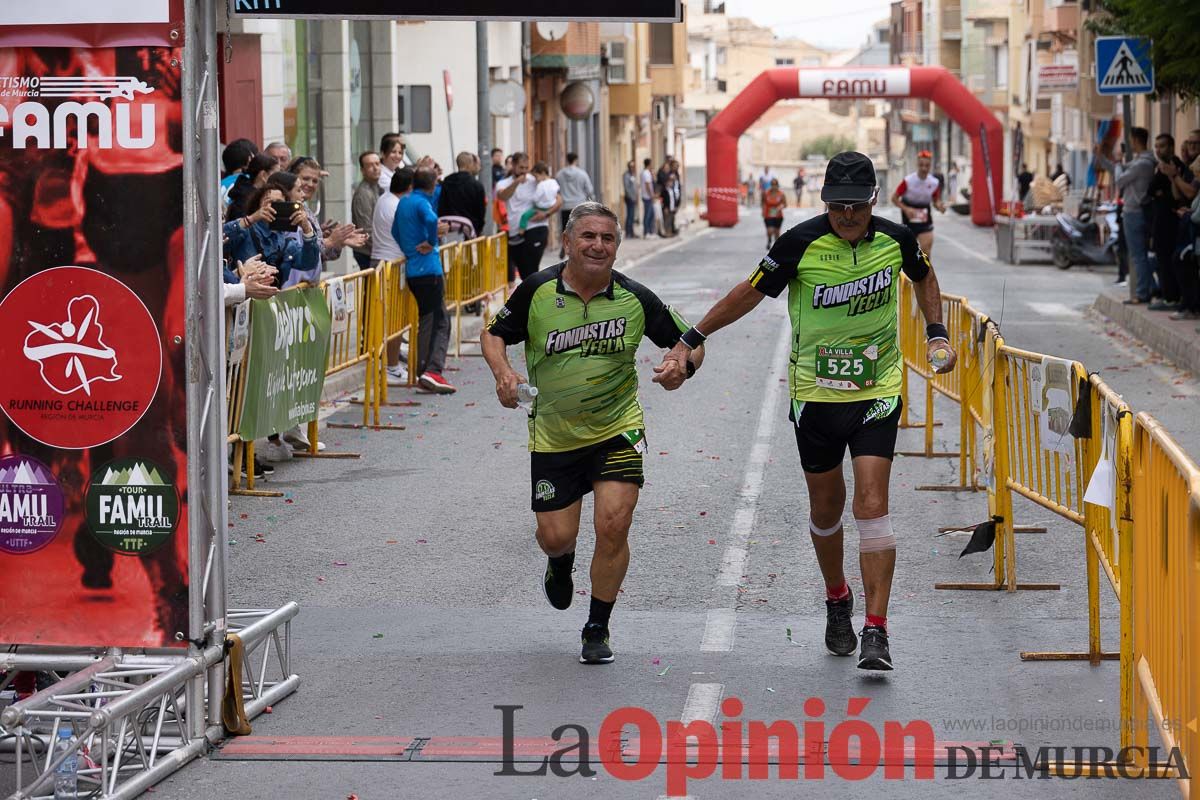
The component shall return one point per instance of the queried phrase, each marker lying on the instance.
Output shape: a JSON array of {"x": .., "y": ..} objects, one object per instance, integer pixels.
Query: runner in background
[
  {"x": 773, "y": 203},
  {"x": 916, "y": 196}
]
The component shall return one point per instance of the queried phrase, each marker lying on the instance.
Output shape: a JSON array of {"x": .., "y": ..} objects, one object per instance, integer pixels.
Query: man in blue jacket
[{"x": 415, "y": 229}]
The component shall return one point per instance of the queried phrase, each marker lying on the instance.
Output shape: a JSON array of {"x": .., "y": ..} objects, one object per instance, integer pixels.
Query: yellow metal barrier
[{"x": 1165, "y": 593}]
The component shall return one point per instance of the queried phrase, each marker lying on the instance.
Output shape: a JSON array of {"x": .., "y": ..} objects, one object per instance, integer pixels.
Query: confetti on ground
[
  {"x": 665, "y": 671},
  {"x": 244, "y": 516},
  {"x": 289, "y": 501},
  {"x": 712, "y": 541},
  {"x": 340, "y": 564},
  {"x": 422, "y": 541},
  {"x": 769, "y": 689},
  {"x": 320, "y": 579},
  {"x": 655, "y": 661},
  {"x": 664, "y": 452},
  {"x": 581, "y": 591},
  {"x": 377, "y": 636},
  {"x": 391, "y": 541},
  {"x": 269, "y": 710}
]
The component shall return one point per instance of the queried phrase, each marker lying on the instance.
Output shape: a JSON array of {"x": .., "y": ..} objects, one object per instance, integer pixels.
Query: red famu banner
[{"x": 93, "y": 464}]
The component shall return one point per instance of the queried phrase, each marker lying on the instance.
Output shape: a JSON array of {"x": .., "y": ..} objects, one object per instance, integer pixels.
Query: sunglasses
[{"x": 843, "y": 208}]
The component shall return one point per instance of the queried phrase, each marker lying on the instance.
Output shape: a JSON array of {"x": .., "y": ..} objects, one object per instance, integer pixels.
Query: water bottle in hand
[
  {"x": 525, "y": 395},
  {"x": 66, "y": 775},
  {"x": 940, "y": 358}
]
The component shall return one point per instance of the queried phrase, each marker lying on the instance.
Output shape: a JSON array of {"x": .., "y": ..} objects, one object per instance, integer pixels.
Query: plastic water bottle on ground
[
  {"x": 525, "y": 395},
  {"x": 66, "y": 775}
]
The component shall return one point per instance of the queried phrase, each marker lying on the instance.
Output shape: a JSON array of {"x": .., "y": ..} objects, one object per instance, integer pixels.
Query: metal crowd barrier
[
  {"x": 1141, "y": 520},
  {"x": 1165, "y": 659}
]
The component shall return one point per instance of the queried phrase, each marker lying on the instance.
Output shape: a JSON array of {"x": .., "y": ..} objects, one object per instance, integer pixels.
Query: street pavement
[{"x": 417, "y": 574}]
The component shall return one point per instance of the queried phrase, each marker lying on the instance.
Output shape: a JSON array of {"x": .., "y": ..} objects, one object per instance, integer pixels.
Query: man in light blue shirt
[
  {"x": 576, "y": 187},
  {"x": 415, "y": 229}
]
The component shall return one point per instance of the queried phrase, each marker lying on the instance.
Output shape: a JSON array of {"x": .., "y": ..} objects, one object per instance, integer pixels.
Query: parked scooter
[{"x": 1077, "y": 239}]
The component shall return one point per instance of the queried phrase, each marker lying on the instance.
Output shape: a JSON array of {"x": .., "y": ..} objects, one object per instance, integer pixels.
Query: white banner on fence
[
  {"x": 339, "y": 309},
  {"x": 1054, "y": 401}
]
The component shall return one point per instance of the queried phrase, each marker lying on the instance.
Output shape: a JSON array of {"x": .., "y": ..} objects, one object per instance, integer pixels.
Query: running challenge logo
[
  {"x": 862, "y": 295},
  {"x": 63, "y": 123},
  {"x": 633, "y": 745},
  {"x": 597, "y": 338},
  {"x": 72, "y": 355}
]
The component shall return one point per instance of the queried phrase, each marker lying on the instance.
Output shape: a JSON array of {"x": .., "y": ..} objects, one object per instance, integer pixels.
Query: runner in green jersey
[
  {"x": 842, "y": 272},
  {"x": 581, "y": 323}
]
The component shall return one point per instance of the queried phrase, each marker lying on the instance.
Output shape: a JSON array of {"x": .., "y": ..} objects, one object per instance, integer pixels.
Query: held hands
[
  {"x": 506, "y": 388},
  {"x": 935, "y": 345},
  {"x": 672, "y": 372}
]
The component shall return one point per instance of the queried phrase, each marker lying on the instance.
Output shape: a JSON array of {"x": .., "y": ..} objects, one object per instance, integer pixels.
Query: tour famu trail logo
[
  {"x": 71, "y": 354},
  {"x": 131, "y": 507},
  {"x": 31, "y": 505}
]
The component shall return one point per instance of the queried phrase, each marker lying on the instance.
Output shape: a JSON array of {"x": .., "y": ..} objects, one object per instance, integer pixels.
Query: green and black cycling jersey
[
  {"x": 843, "y": 303},
  {"x": 582, "y": 356}
]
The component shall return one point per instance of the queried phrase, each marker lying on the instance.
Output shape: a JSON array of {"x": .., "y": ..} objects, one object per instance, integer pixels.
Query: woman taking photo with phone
[{"x": 278, "y": 230}]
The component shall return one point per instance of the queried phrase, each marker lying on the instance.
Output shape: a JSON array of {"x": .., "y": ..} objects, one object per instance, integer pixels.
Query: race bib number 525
[{"x": 847, "y": 369}]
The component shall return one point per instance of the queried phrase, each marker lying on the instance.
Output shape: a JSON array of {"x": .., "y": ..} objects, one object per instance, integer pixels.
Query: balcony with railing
[{"x": 1060, "y": 16}]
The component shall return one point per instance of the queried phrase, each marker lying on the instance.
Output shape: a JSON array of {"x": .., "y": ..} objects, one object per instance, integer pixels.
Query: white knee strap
[
  {"x": 875, "y": 535},
  {"x": 815, "y": 531}
]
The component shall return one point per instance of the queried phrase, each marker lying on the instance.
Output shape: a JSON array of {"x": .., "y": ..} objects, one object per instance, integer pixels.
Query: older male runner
[
  {"x": 581, "y": 323},
  {"x": 842, "y": 271}
]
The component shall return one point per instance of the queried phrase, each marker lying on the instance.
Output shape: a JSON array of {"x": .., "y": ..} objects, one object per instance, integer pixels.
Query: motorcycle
[{"x": 1076, "y": 240}]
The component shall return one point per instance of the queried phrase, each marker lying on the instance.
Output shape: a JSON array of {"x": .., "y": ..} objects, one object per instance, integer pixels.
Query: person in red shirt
[{"x": 773, "y": 203}]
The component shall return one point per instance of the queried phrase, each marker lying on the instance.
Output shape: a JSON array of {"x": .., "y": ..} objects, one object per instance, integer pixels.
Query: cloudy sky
[{"x": 839, "y": 25}]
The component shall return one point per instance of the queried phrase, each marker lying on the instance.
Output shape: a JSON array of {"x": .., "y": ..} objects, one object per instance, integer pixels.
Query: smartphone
[{"x": 283, "y": 215}]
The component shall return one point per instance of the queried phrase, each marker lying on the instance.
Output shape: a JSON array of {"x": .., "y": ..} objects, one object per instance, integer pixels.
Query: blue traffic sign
[{"x": 1123, "y": 65}]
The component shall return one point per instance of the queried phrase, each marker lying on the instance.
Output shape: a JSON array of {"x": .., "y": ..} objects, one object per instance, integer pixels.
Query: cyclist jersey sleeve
[
  {"x": 779, "y": 266},
  {"x": 511, "y": 322},
  {"x": 664, "y": 325}
]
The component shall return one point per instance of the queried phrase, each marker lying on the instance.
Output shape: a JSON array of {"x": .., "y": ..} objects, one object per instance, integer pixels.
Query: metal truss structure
[{"x": 138, "y": 716}]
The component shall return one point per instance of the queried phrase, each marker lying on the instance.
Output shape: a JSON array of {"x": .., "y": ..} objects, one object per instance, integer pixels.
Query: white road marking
[
  {"x": 718, "y": 631},
  {"x": 1054, "y": 309},
  {"x": 940, "y": 236},
  {"x": 734, "y": 560},
  {"x": 702, "y": 701}
]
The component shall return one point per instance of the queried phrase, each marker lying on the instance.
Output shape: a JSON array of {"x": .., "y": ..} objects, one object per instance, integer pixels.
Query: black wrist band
[
  {"x": 691, "y": 368},
  {"x": 936, "y": 330},
  {"x": 693, "y": 338}
]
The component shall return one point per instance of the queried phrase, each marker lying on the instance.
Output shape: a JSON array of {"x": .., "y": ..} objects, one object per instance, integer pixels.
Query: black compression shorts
[{"x": 824, "y": 430}]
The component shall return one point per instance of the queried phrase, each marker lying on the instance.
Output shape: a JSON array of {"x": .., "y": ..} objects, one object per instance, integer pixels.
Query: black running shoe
[
  {"x": 839, "y": 633},
  {"x": 558, "y": 586},
  {"x": 595, "y": 645},
  {"x": 875, "y": 653}
]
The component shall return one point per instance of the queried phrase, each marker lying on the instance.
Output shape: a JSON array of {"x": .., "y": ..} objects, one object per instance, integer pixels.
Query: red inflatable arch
[{"x": 932, "y": 83}]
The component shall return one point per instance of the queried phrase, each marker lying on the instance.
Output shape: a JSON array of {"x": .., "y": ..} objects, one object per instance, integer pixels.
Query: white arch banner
[{"x": 854, "y": 82}]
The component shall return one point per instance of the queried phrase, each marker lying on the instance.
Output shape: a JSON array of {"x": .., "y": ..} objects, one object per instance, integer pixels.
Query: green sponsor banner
[{"x": 285, "y": 362}]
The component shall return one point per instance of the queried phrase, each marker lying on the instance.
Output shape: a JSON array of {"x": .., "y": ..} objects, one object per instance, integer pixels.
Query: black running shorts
[
  {"x": 824, "y": 430},
  {"x": 773, "y": 222},
  {"x": 559, "y": 479},
  {"x": 920, "y": 227}
]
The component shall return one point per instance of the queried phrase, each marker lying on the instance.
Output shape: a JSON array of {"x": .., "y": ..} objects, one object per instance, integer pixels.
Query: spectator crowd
[{"x": 1160, "y": 222}]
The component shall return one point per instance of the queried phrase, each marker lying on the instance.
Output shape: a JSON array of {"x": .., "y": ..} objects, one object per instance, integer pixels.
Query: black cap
[{"x": 849, "y": 178}]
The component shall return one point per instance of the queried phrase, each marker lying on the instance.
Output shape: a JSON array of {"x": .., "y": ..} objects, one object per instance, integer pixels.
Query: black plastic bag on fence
[
  {"x": 982, "y": 538},
  {"x": 1081, "y": 420}
]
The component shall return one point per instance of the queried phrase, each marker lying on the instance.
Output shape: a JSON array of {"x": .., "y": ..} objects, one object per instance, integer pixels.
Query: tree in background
[
  {"x": 828, "y": 146},
  {"x": 1172, "y": 24}
]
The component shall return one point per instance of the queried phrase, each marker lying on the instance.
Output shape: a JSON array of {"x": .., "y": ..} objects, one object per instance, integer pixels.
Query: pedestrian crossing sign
[{"x": 1123, "y": 65}]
